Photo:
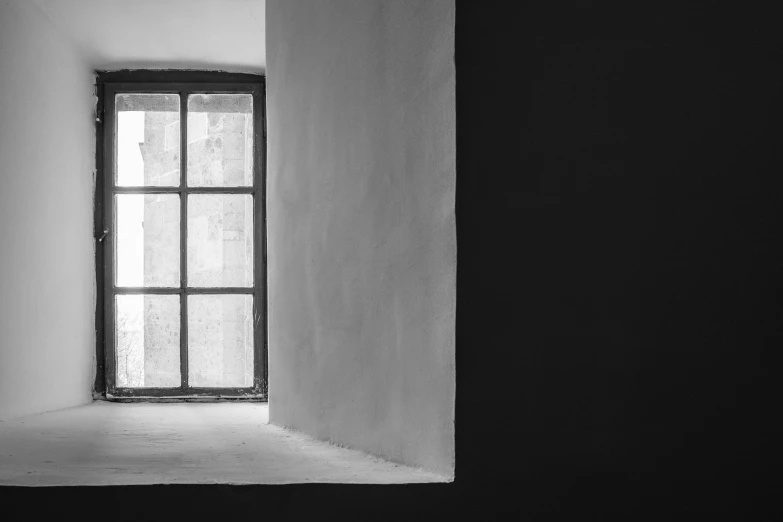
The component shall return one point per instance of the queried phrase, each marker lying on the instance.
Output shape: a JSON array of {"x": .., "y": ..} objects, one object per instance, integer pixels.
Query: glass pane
[
  {"x": 147, "y": 240},
  {"x": 220, "y": 340},
  {"x": 147, "y": 140},
  {"x": 220, "y": 240},
  {"x": 147, "y": 341},
  {"x": 220, "y": 140}
]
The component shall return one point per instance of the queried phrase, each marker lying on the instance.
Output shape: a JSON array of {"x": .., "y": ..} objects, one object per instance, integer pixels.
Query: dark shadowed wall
[{"x": 618, "y": 209}]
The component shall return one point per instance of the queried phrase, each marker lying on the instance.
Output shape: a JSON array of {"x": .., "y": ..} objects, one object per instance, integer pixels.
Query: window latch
[{"x": 105, "y": 231}]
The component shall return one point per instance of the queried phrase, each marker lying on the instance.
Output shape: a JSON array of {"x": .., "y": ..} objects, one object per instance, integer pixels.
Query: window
[
  {"x": 182, "y": 248},
  {"x": 197, "y": 130}
]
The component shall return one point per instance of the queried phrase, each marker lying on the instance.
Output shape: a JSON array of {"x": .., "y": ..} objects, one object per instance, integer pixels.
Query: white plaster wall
[
  {"x": 362, "y": 248},
  {"x": 47, "y": 337},
  {"x": 227, "y": 35}
]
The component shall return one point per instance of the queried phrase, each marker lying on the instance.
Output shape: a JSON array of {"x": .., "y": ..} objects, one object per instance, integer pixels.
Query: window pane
[
  {"x": 220, "y": 340},
  {"x": 220, "y": 240},
  {"x": 147, "y": 140},
  {"x": 220, "y": 140},
  {"x": 147, "y": 240},
  {"x": 147, "y": 341}
]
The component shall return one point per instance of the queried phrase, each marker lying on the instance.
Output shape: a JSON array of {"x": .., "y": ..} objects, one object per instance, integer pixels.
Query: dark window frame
[{"x": 183, "y": 83}]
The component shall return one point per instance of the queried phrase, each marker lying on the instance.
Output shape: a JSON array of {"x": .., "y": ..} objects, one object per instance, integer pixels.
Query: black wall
[{"x": 619, "y": 193}]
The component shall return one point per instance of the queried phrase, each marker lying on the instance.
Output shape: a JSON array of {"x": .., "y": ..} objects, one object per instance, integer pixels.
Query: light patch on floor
[{"x": 141, "y": 443}]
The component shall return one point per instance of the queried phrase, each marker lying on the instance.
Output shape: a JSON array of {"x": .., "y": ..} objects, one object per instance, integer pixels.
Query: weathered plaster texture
[
  {"x": 362, "y": 248},
  {"x": 47, "y": 337}
]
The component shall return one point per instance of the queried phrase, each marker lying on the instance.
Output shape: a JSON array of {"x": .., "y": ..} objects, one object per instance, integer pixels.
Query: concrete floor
[{"x": 143, "y": 443}]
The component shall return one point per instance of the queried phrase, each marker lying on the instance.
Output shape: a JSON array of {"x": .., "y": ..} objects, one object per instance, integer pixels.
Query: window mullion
[{"x": 183, "y": 234}]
